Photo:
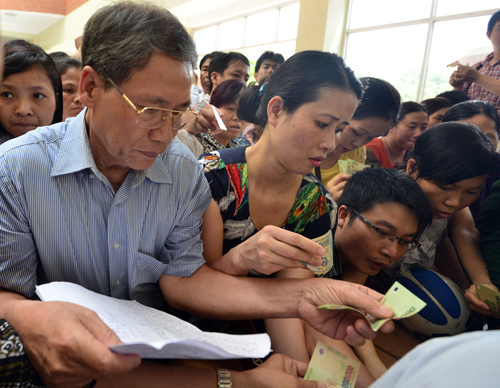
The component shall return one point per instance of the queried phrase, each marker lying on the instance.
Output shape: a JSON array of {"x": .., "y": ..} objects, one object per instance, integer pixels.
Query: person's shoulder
[
  {"x": 217, "y": 160},
  {"x": 487, "y": 59},
  {"x": 35, "y": 140},
  {"x": 374, "y": 143},
  {"x": 496, "y": 186},
  {"x": 315, "y": 184},
  {"x": 359, "y": 154}
]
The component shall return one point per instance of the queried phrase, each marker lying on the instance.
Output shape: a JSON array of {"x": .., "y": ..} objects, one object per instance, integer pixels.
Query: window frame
[
  {"x": 430, "y": 21},
  {"x": 244, "y": 26}
]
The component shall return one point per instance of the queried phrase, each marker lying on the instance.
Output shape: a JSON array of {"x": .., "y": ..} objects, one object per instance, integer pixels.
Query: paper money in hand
[
  {"x": 332, "y": 368},
  {"x": 326, "y": 241},
  {"x": 399, "y": 299},
  {"x": 350, "y": 166},
  {"x": 490, "y": 297},
  {"x": 343, "y": 166},
  {"x": 356, "y": 166}
]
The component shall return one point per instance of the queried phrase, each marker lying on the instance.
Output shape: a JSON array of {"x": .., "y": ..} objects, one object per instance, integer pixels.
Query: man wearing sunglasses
[{"x": 109, "y": 201}]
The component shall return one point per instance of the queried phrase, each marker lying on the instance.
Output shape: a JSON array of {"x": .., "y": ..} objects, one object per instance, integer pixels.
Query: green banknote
[
  {"x": 350, "y": 166},
  {"x": 490, "y": 297},
  {"x": 399, "y": 299},
  {"x": 356, "y": 166},
  {"x": 326, "y": 241},
  {"x": 343, "y": 166},
  {"x": 332, "y": 368}
]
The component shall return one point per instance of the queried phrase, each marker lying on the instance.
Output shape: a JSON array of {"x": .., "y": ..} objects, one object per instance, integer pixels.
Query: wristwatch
[{"x": 224, "y": 378}]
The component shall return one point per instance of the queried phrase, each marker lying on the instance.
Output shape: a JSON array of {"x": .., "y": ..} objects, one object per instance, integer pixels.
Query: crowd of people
[{"x": 124, "y": 173}]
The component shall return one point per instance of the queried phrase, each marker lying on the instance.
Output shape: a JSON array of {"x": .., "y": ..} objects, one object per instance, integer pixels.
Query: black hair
[
  {"x": 376, "y": 186},
  {"x": 227, "y": 92},
  {"x": 63, "y": 65},
  {"x": 58, "y": 56},
  {"x": 248, "y": 104},
  {"x": 21, "y": 56},
  {"x": 434, "y": 104},
  {"x": 468, "y": 109},
  {"x": 451, "y": 152},
  {"x": 16, "y": 43},
  {"x": 408, "y": 107},
  {"x": 269, "y": 55},
  {"x": 222, "y": 61},
  {"x": 208, "y": 56},
  {"x": 380, "y": 99},
  {"x": 299, "y": 80},
  {"x": 454, "y": 96},
  {"x": 493, "y": 20}
]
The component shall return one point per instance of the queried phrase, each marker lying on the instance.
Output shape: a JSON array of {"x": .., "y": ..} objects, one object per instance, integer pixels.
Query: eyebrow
[
  {"x": 161, "y": 101},
  {"x": 364, "y": 130},
  {"x": 335, "y": 118},
  {"x": 472, "y": 188},
  {"x": 34, "y": 87},
  {"x": 391, "y": 227}
]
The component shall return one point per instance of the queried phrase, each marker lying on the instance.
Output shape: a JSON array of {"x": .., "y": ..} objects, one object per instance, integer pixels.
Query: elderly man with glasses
[{"x": 109, "y": 201}]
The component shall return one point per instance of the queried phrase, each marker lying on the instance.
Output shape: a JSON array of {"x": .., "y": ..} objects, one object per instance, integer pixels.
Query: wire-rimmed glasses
[{"x": 151, "y": 118}]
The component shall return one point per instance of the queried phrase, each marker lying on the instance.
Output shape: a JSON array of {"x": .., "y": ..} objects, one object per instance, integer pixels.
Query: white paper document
[{"x": 151, "y": 333}]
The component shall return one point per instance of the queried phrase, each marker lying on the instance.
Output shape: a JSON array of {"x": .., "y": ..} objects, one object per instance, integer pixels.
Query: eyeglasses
[
  {"x": 383, "y": 234},
  {"x": 150, "y": 118}
]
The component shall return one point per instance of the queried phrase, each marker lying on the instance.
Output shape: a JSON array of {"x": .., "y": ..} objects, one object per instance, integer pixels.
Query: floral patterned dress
[{"x": 313, "y": 214}]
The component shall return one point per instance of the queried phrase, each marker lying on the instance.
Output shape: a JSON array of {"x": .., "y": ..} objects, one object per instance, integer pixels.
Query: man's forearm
[
  {"x": 471, "y": 257},
  {"x": 10, "y": 305},
  {"x": 216, "y": 295}
]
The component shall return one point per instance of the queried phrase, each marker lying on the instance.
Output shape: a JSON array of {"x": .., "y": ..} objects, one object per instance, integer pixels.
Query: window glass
[
  {"x": 206, "y": 39},
  {"x": 367, "y": 13},
  {"x": 231, "y": 34},
  {"x": 288, "y": 22},
  {"x": 462, "y": 39},
  {"x": 393, "y": 54},
  {"x": 453, "y": 7},
  {"x": 260, "y": 28}
]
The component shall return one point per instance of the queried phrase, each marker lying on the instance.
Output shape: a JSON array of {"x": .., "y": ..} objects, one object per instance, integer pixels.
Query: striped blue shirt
[{"x": 60, "y": 219}]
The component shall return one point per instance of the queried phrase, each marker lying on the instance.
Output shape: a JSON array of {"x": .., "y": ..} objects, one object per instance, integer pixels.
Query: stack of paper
[{"x": 152, "y": 333}]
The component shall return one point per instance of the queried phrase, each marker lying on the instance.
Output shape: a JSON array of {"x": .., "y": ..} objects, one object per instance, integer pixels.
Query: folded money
[
  {"x": 490, "y": 297},
  {"x": 399, "y": 299},
  {"x": 326, "y": 241}
]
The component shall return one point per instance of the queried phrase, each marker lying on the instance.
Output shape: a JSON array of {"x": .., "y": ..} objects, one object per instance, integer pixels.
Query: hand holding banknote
[
  {"x": 278, "y": 371},
  {"x": 399, "y": 299},
  {"x": 490, "y": 297},
  {"x": 481, "y": 298},
  {"x": 273, "y": 249},
  {"x": 343, "y": 324}
]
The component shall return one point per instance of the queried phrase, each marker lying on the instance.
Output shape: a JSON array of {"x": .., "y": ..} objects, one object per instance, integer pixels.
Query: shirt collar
[
  {"x": 75, "y": 155},
  {"x": 487, "y": 60}
]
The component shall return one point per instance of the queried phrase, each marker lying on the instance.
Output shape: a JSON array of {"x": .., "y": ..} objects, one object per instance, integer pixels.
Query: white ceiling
[
  {"x": 197, "y": 13},
  {"x": 31, "y": 23},
  {"x": 192, "y": 13}
]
